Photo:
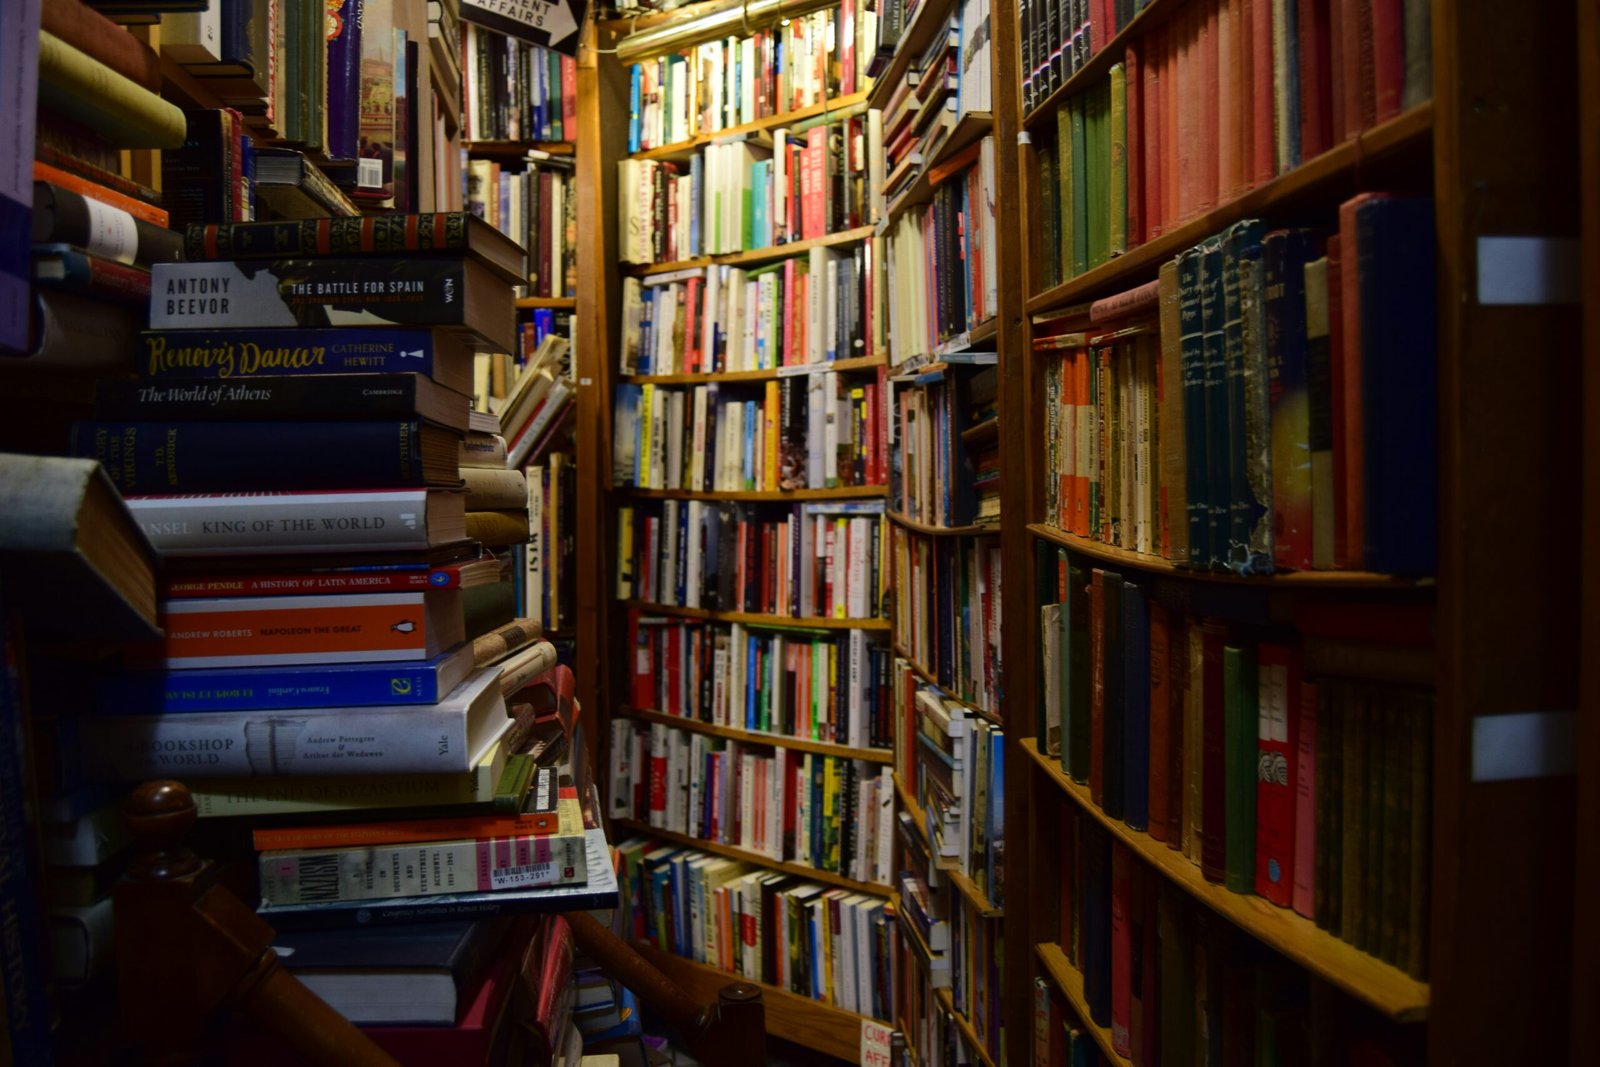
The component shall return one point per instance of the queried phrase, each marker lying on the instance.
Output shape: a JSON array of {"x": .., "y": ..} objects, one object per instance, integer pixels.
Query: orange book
[
  {"x": 1133, "y": 146},
  {"x": 1224, "y": 30},
  {"x": 1354, "y": 487},
  {"x": 1208, "y": 127},
  {"x": 1263, "y": 152},
  {"x": 1171, "y": 51},
  {"x": 353, "y": 628},
  {"x": 44, "y": 172},
  {"x": 555, "y": 811},
  {"x": 1190, "y": 153}
]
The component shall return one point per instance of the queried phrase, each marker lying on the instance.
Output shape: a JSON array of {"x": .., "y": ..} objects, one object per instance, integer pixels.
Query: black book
[
  {"x": 332, "y": 396},
  {"x": 1113, "y": 712}
]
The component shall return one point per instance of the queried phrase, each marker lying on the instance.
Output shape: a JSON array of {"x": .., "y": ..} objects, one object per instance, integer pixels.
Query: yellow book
[
  {"x": 769, "y": 440},
  {"x": 647, "y": 403}
]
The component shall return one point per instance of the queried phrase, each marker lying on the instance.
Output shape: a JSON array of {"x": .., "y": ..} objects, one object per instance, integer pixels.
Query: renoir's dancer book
[
  {"x": 227, "y": 354},
  {"x": 377, "y": 291},
  {"x": 450, "y": 737}
]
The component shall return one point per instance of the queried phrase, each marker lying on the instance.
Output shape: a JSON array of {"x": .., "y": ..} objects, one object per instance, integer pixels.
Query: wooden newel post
[{"x": 188, "y": 949}]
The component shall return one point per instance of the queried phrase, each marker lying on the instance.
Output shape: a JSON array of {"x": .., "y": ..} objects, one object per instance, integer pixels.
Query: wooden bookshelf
[
  {"x": 646, "y": 269},
  {"x": 913, "y": 39},
  {"x": 1143, "y": 561},
  {"x": 843, "y": 492},
  {"x": 981, "y": 904},
  {"x": 933, "y": 530},
  {"x": 682, "y": 149},
  {"x": 922, "y": 672},
  {"x": 776, "y": 622},
  {"x": 840, "y": 366},
  {"x": 1335, "y": 172},
  {"x": 756, "y": 255},
  {"x": 973, "y": 1041},
  {"x": 1383, "y": 987},
  {"x": 756, "y": 858},
  {"x": 987, "y": 430},
  {"x": 812, "y": 1023},
  {"x": 972, "y": 127},
  {"x": 517, "y": 150},
  {"x": 1069, "y": 980},
  {"x": 557, "y": 303},
  {"x": 757, "y": 737}
]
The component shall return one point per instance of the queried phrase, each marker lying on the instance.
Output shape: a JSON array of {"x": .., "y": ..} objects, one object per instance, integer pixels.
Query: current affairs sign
[{"x": 552, "y": 23}]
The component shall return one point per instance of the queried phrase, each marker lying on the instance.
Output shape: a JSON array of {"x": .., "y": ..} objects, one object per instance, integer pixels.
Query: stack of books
[
  {"x": 934, "y": 473},
  {"x": 341, "y": 661}
]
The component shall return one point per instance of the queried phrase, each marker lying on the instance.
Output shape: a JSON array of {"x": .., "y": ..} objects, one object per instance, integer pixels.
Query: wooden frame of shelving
[
  {"x": 840, "y": 366},
  {"x": 758, "y": 737},
  {"x": 755, "y": 255},
  {"x": 749, "y": 618},
  {"x": 982, "y": 905},
  {"x": 770, "y": 496},
  {"x": 734, "y": 852}
]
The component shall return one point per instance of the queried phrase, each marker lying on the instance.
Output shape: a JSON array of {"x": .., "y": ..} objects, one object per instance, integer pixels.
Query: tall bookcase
[{"x": 1492, "y": 147}]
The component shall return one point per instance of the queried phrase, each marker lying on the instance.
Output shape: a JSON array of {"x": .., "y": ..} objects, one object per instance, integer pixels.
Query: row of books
[
  {"x": 831, "y": 687},
  {"x": 1282, "y": 92},
  {"x": 949, "y": 81},
  {"x": 953, "y": 765},
  {"x": 943, "y": 417},
  {"x": 537, "y": 207},
  {"x": 796, "y": 432},
  {"x": 532, "y": 407},
  {"x": 515, "y": 91},
  {"x": 805, "y": 309},
  {"x": 943, "y": 258},
  {"x": 1256, "y": 754},
  {"x": 827, "y": 944},
  {"x": 825, "y": 812},
  {"x": 804, "y": 61},
  {"x": 948, "y": 611},
  {"x": 1268, "y": 403},
  {"x": 750, "y": 192},
  {"x": 548, "y": 582},
  {"x": 818, "y": 560},
  {"x": 1058, "y": 38}
]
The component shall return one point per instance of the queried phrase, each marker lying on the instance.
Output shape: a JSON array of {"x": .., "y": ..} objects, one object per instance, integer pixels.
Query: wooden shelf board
[
  {"x": 980, "y": 901},
  {"x": 1156, "y": 565},
  {"x": 983, "y": 431},
  {"x": 517, "y": 149},
  {"x": 755, "y": 255},
  {"x": 799, "y": 744},
  {"x": 913, "y": 39},
  {"x": 843, "y": 492},
  {"x": 839, "y": 366},
  {"x": 822, "y": 1027},
  {"x": 1339, "y": 164},
  {"x": 973, "y": 126},
  {"x": 643, "y": 270},
  {"x": 927, "y": 676},
  {"x": 1370, "y": 980},
  {"x": 754, "y": 857},
  {"x": 1069, "y": 980},
  {"x": 770, "y": 122},
  {"x": 1100, "y": 63},
  {"x": 934, "y": 530},
  {"x": 778, "y": 622},
  {"x": 973, "y": 1041},
  {"x": 560, "y": 303}
]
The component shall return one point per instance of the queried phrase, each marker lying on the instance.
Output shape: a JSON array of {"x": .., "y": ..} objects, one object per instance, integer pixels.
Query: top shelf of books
[{"x": 822, "y": 109}]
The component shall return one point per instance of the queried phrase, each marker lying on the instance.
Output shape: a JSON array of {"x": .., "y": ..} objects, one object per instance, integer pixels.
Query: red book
[
  {"x": 1146, "y": 1020},
  {"x": 1336, "y": 85},
  {"x": 847, "y": 46},
  {"x": 1133, "y": 142},
  {"x": 1305, "y": 802},
  {"x": 1172, "y": 103},
  {"x": 1349, "y": 359},
  {"x": 1232, "y": 81},
  {"x": 1121, "y": 948},
  {"x": 1210, "y": 85},
  {"x": 1097, "y": 687},
  {"x": 569, "y": 95},
  {"x": 813, "y": 184},
  {"x": 658, "y": 776},
  {"x": 1188, "y": 91},
  {"x": 1316, "y": 89},
  {"x": 1150, "y": 122},
  {"x": 1160, "y": 720},
  {"x": 1213, "y": 756},
  {"x": 1336, "y": 387},
  {"x": 1388, "y": 58},
  {"x": 1278, "y": 669},
  {"x": 1263, "y": 152},
  {"x": 1352, "y": 14},
  {"x": 673, "y": 654},
  {"x": 1367, "y": 59}
]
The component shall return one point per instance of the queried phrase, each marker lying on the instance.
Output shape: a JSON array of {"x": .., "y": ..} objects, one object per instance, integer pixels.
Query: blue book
[
  {"x": 1191, "y": 346},
  {"x": 993, "y": 858},
  {"x": 752, "y": 419},
  {"x": 1217, "y": 491},
  {"x": 633, "y": 108},
  {"x": 1136, "y": 705},
  {"x": 1243, "y": 332},
  {"x": 166, "y": 355},
  {"x": 696, "y": 195},
  {"x": 1094, "y": 947},
  {"x": 332, "y": 685},
  {"x": 752, "y": 680},
  {"x": 1399, "y": 376}
]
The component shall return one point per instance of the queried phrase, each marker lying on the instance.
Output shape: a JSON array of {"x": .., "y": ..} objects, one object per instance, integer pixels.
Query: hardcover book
[
  {"x": 332, "y": 396},
  {"x": 224, "y": 354},
  {"x": 300, "y": 523},
  {"x": 376, "y": 291}
]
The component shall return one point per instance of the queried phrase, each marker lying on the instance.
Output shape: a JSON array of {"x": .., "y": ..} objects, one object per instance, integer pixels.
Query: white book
[
  {"x": 533, "y": 553},
  {"x": 669, "y": 551},
  {"x": 697, "y": 467},
  {"x": 695, "y": 552},
  {"x": 775, "y": 802},
  {"x": 830, "y": 430},
  {"x": 747, "y": 801},
  {"x": 620, "y": 780},
  {"x": 747, "y": 105},
  {"x": 858, "y": 679},
  {"x": 193, "y": 37},
  {"x": 830, "y": 302},
  {"x": 816, "y": 415}
]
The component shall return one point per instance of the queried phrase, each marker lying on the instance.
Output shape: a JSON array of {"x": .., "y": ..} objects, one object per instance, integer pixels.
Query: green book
[
  {"x": 1052, "y": 257},
  {"x": 1079, "y": 174},
  {"x": 1095, "y": 189},
  {"x": 1241, "y": 700},
  {"x": 1064, "y": 234},
  {"x": 1117, "y": 169}
]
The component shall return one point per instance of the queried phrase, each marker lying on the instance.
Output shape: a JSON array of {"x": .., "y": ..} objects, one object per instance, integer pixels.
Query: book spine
[
  {"x": 235, "y": 353},
  {"x": 1213, "y": 755},
  {"x": 344, "y": 78},
  {"x": 1240, "y": 696},
  {"x": 214, "y": 456},
  {"x": 1306, "y": 794},
  {"x": 266, "y": 397},
  {"x": 64, "y": 216},
  {"x": 265, "y": 689},
  {"x": 288, "y": 522},
  {"x": 94, "y": 190},
  {"x": 95, "y": 276},
  {"x": 260, "y": 631},
  {"x": 1276, "y": 785}
]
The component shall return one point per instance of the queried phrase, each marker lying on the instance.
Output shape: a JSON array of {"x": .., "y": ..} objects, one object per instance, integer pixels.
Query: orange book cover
[
  {"x": 564, "y": 817},
  {"x": 356, "y": 627},
  {"x": 44, "y": 172}
]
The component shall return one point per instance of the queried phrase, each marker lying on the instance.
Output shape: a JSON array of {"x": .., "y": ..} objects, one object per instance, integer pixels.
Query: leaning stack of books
[{"x": 339, "y": 653}]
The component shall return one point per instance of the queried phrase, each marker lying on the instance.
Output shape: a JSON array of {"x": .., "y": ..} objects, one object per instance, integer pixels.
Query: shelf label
[{"x": 877, "y": 1044}]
